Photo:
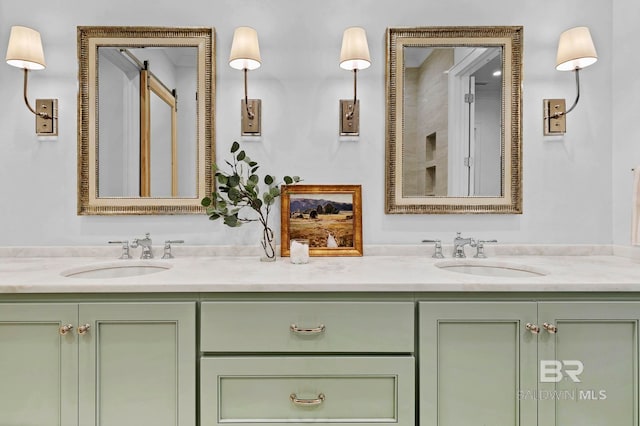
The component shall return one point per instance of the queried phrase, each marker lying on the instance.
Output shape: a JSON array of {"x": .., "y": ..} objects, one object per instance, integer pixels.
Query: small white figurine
[{"x": 331, "y": 241}]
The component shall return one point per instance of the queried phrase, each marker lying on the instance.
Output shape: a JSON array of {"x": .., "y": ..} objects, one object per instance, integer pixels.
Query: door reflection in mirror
[
  {"x": 147, "y": 122},
  {"x": 452, "y": 122}
]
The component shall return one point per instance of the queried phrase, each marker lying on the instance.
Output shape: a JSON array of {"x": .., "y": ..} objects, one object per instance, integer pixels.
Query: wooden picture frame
[{"x": 338, "y": 233}]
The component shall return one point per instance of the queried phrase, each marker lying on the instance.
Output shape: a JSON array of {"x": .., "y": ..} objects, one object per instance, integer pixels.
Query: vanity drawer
[
  {"x": 319, "y": 390},
  {"x": 307, "y": 327}
]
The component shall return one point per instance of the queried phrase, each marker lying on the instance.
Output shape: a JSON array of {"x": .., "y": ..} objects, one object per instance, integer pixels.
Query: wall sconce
[
  {"x": 354, "y": 55},
  {"x": 575, "y": 51},
  {"x": 245, "y": 55},
  {"x": 25, "y": 51}
]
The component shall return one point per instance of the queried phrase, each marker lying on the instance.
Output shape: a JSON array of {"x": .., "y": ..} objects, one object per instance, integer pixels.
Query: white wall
[
  {"x": 625, "y": 87},
  {"x": 567, "y": 181}
]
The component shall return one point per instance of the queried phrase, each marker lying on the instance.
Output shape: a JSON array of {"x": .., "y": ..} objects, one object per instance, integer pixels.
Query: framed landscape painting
[{"x": 329, "y": 216}]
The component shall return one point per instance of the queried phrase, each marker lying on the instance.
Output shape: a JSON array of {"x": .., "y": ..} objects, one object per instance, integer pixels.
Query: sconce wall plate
[
  {"x": 349, "y": 117},
  {"x": 47, "y": 125},
  {"x": 251, "y": 126},
  {"x": 555, "y": 117}
]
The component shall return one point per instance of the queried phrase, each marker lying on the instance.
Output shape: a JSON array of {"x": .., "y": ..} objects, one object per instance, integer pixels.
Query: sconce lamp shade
[
  {"x": 575, "y": 50},
  {"x": 354, "y": 54},
  {"x": 245, "y": 51},
  {"x": 25, "y": 49}
]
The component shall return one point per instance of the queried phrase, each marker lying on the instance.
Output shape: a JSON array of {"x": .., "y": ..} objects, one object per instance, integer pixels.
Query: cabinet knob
[
  {"x": 307, "y": 402},
  {"x": 294, "y": 328},
  {"x": 550, "y": 328},
  {"x": 533, "y": 328},
  {"x": 84, "y": 329},
  {"x": 65, "y": 329}
]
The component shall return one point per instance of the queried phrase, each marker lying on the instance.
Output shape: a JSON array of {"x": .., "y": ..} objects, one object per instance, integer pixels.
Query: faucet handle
[
  {"x": 167, "y": 248},
  {"x": 125, "y": 248},
  {"x": 437, "y": 253},
  {"x": 480, "y": 248}
]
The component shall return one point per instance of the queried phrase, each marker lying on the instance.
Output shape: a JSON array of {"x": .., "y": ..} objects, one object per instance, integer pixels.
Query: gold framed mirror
[
  {"x": 453, "y": 136},
  {"x": 145, "y": 119}
]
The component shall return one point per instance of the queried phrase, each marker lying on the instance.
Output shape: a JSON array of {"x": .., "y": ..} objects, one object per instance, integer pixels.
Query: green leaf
[
  {"x": 233, "y": 181},
  {"x": 241, "y": 156},
  {"x": 235, "y": 147},
  {"x": 254, "y": 178},
  {"x": 256, "y": 204},
  {"x": 231, "y": 221},
  {"x": 296, "y": 179},
  {"x": 268, "y": 179},
  {"x": 288, "y": 180},
  {"x": 274, "y": 192},
  {"x": 253, "y": 170},
  {"x": 268, "y": 198},
  {"x": 252, "y": 164},
  {"x": 247, "y": 160},
  {"x": 206, "y": 202},
  {"x": 222, "y": 179},
  {"x": 234, "y": 195}
]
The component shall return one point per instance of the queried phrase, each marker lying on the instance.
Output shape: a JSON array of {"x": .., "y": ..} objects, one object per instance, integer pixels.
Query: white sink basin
[
  {"x": 502, "y": 269},
  {"x": 116, "y": 270}
]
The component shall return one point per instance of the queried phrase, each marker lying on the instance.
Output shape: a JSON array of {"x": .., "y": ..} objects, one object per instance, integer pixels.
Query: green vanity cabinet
[
  {"x": 595, "y": 346},
  {"x": 38, "y": 365},
  {"x": 338, "y": 362},
  {"x": 548, "y": 363},
  {"x": 122, "y": 364},
  {"x": 474, "y": 357}
]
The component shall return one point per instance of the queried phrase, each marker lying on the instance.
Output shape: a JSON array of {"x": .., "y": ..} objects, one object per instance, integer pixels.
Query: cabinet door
[
  {"x": 595, "y": 349},
  {"x": 137, "y": 364},
  {"x": 38, "y": 365},
  {"x": 475, "y": 359}
]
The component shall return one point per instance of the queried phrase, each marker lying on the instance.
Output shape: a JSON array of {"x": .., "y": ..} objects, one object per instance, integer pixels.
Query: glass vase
[{"x": 268, "y": 245}]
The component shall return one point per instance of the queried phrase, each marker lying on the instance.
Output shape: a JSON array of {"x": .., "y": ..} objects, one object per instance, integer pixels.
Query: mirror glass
[
  {"x": 453, "y": 120},
  {"x": 146, "y": 141}
]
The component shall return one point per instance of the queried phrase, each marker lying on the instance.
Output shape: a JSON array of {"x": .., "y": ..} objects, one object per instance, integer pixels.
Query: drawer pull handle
[
  {"x": 84, "y": 329},
  {"x": 307, "y": 402},
  {"x": 317, "y": 330},
  {"x": 550, "y": 328}
]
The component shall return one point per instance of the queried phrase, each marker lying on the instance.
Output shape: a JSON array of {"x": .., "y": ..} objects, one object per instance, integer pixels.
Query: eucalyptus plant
[{"x": 239, "y": 189}]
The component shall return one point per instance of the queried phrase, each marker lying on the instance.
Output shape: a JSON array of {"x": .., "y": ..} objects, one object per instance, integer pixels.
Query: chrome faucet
[
  {"x": 125, "y": 248},
  {"x": 167, "y": 248},
  {"x": 145, "y": 243},
  {"x": 459, "y": 243}
]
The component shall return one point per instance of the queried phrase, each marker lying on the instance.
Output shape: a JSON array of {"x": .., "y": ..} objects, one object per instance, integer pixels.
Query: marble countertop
[{"x": 595, "y": 270}]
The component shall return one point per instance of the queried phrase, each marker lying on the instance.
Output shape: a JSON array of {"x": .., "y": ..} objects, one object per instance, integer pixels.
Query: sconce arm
[
  {"x": 577, "y": 71},
  {"x": 250, "y": 113},
  {"x": 26, "y": 99},
  {"x": 355, "y": 93},
  {"x": 560, "y": 114}
]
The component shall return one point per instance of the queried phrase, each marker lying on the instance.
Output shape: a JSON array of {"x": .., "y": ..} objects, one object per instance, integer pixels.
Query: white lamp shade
[
  {"x": 575, "y": 50},
  {"x": 354, "y": 54},
  {"x": 25, "y": 49},
  {"x": 245, "y": 50}
]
